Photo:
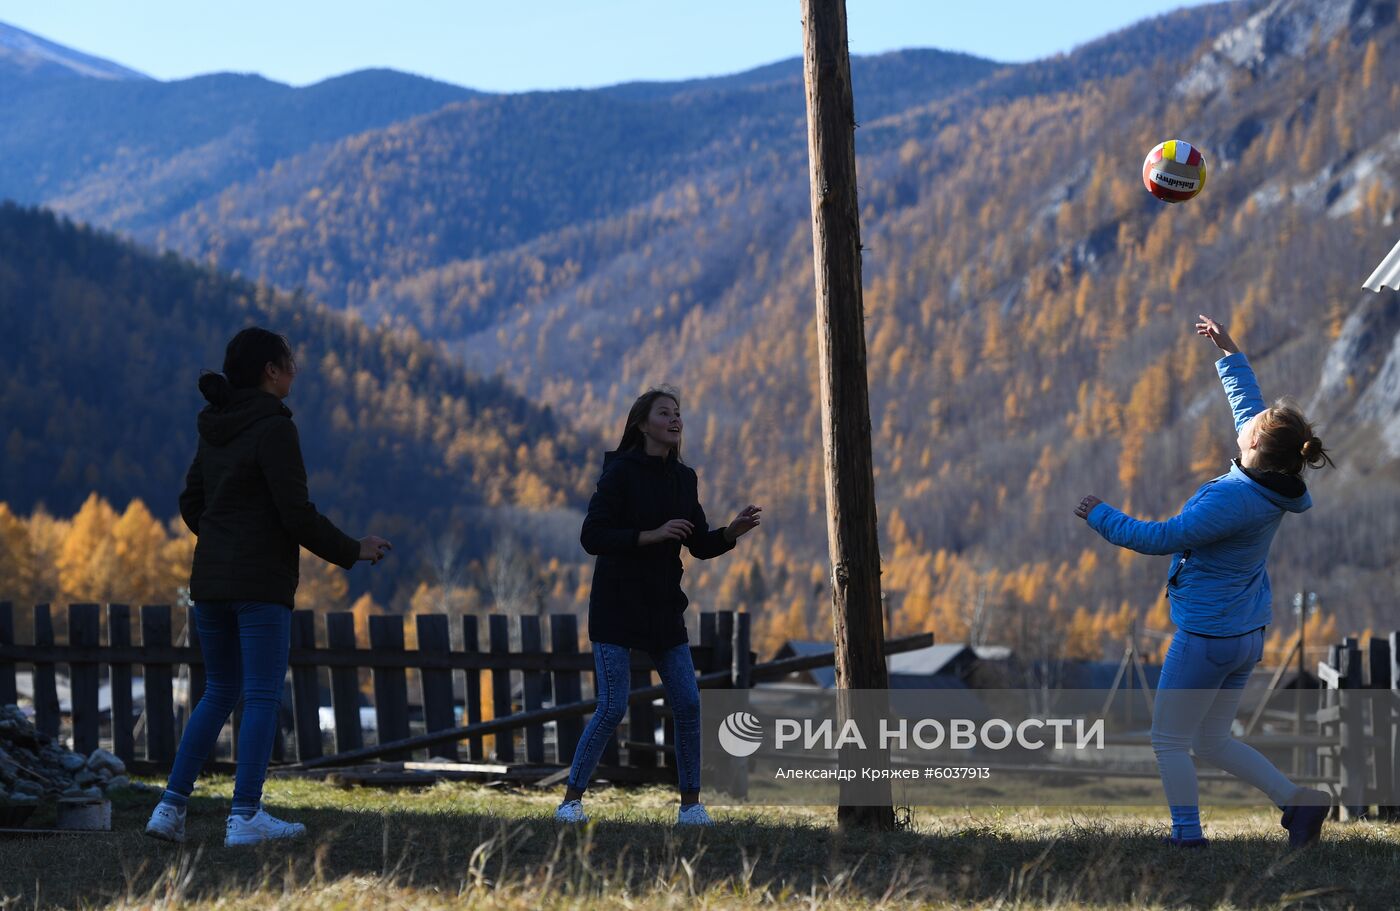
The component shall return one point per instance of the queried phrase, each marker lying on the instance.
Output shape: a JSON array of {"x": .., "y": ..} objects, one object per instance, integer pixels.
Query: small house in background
[
  {"x": 950, "y": 669},
  {"x": 950, "y": 666}
]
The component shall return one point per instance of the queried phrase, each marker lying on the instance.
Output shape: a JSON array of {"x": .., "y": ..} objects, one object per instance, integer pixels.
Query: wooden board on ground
[
  {"x": 424, "y": 774},
  {"x": 349, "y": 778},
  {"x": 410, "y": 773}
]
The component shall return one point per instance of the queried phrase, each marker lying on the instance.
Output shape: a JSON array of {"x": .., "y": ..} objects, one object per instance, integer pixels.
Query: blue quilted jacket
[{"x": 1219, "y": 542}]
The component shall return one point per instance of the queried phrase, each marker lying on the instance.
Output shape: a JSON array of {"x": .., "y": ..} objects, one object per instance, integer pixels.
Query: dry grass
[{"x": 456, "y": 846}]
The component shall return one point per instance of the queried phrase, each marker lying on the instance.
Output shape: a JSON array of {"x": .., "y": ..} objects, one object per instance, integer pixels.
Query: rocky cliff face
[
  {"x": 1378, "y": 364},
  {"x": 1358, "y": 389},
  {"x": 1282, "y": 31},
  {"x": 1360, "y": 380}
]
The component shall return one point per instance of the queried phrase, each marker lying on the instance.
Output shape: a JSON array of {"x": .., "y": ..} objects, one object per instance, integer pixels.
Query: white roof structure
[
  {"x": 928, "y": 661},
  {"x": 1387, "y": 274}
]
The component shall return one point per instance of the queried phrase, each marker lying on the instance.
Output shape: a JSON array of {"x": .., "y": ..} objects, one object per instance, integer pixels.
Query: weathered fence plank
[
  {"x": 568, "y": 686},
  {"x": 532, "y": 688},
  {"x": 46, "y": 708},
  {"x": 434, "y": 638},
  {"x": 160, "y": 700},
  {"x": 1393, "y": 640},
  {"x": 499, "y": 631},
  {"x": 1353, "y": 753},
  {"x": 119, "y": 676},
  {"x": 743, "y": 654},
  {"x": 84, "y": 625},
  {"x": 471, "y": 712},
  {"x": 306, "y": 689},
  {"x": 1378, "y": 681},
  {"x": 345, "y": 684},
  {"x": 390, "y": 684}
]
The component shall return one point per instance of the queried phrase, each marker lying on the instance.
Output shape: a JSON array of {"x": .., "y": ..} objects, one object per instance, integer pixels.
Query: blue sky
[{"x": 517, "y": 45}]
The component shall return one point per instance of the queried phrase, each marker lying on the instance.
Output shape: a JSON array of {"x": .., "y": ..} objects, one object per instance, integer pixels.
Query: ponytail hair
[
  {"x": 1314, "y": 455},
  {"x": 247, "y": 355},
  {"x": 1286, "y": 441},
  {"x": 639, "y": 412}
]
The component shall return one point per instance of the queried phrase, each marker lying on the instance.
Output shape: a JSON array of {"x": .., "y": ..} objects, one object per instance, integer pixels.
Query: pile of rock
[{"x": 33, "y": 765}]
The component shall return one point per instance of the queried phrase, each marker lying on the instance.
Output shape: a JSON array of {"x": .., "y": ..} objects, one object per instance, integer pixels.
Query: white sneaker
[
  {"x": 259, "y": 828},
  {"x": 570, "y": 811},
  {"x": 167, "y": 823},
  {"x": 694, "y": 815}
]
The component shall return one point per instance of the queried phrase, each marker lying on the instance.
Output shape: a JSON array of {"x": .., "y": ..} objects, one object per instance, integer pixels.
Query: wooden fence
[
  {"x": 536, "y": 691},
  {"x": 536, "y": 684},
  {"x": 1358, "y": 718},
  {"x": 524, "y": 677}
]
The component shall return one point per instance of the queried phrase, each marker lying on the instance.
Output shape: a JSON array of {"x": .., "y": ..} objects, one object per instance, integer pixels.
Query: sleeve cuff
[{"x": 352, "y": 552}]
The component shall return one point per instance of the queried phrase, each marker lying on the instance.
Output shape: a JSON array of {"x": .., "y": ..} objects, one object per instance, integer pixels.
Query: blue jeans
[
  {"x": 1197, "y": 699},
  {"x": 245, "y": 646},
  {"x": 614, "y": 666}
]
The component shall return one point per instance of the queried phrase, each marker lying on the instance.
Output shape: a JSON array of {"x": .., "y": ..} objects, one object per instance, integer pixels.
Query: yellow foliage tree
[
  {"x": 1370, "y": 64},
  {"x": 47, "y": 535},
  {"x": 138, "y": 542},
  {"x": 88, "y": 570},
  {"x": 1082, "y": 636},
  {"x": 16, "y": 559}
]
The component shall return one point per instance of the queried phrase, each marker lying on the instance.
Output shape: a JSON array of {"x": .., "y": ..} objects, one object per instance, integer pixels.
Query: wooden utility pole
[{"x": 852, "y": 536}]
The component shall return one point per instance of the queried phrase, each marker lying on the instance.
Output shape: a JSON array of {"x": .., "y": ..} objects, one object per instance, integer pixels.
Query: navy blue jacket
[{"x": 636, "y": 599}]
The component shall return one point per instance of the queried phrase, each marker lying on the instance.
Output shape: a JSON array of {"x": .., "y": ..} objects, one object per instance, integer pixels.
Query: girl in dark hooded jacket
[
  {"x": 646, "y": 506},
  {"x": 245, "y": 500}
]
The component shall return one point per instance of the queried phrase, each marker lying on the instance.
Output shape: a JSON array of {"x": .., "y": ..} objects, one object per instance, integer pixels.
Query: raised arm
[{"x": 1241, "y": 386}]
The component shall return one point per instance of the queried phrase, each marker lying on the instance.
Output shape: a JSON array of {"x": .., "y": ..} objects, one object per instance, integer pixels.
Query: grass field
[{"x": 469, "y": 846}]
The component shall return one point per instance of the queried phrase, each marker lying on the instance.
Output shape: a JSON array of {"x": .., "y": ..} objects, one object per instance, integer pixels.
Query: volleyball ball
[{"x": 1174, "y": 171}]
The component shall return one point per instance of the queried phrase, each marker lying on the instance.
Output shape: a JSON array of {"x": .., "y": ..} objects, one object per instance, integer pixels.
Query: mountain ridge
[{"x": 28, "y": 56}]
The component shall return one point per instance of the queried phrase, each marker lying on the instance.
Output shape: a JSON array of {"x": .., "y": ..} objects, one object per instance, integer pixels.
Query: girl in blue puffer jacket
[{"x": 1220, "y": 598}]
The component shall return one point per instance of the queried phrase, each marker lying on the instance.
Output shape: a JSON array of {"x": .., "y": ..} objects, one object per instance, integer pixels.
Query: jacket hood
[
  {"x": 1287, "y": 492},
  {"x": 220, "y": 423}
]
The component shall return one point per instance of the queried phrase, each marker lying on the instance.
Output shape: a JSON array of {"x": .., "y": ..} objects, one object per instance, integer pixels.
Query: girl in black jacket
[
  {"x": 646, "y": 506},
  {"x": 245, "y": 500}
]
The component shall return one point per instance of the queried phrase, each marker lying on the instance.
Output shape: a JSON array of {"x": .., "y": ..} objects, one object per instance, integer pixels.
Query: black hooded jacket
[
  {"x": 637, "y": 600},
  {"x": 245, "y": 499}
]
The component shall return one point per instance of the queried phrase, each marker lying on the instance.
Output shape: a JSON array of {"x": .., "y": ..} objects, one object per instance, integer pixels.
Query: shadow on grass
[{"x": 456, "y": 850}]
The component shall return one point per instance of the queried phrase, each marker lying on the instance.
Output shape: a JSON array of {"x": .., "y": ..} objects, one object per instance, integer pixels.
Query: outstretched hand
[
  {"x": 373, "y": 548},
  {"x": 1086, "y": 506},
  {"x": 746, "y": 521},
  {"x": 1217, "y": 334}
]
